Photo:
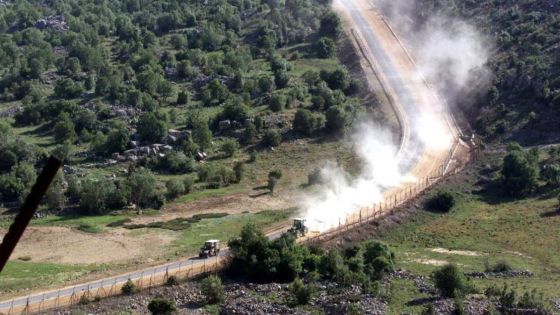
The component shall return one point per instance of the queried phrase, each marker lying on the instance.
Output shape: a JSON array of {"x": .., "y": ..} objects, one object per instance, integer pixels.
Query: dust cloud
[{"x": 451, "y": 55}]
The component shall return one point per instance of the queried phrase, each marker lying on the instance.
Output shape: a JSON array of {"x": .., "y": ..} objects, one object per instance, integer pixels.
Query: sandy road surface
[
  {"x": 428, "y": 138},
  {"x": 429, "y": 132}
]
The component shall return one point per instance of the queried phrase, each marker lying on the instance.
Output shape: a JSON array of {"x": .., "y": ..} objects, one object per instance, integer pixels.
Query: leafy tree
[
  {"x": 93, "y": 195},
  {"x": 443, "y": 201},
  {"x": 64, "y": 129},
  {"x": 239, "y": 169},
  {"x": 249, "y": 134},
  {"x": 450, "y": 281},
  {"x": 214, "y": 93},
  {"x": 336, "y": 120},
  {"x": 67, "y": 89},
  {"x": 272, "y": 138},
  {"x": 142, "y": 185},
  {"x": 129, "y": 288},
  {"x": 281, "y": 78},
  {"x": 183, "y": 98},
  {"x": 117, "y": 140},
  {"x": 212, "y": 289},
  {"x": 201, "y": 133},
  {"x": 277, "y": 102},
  {"x": 519, "y": 174},
  {"x": 229, "y": 147},
  {"x": 326, "y": 48},
  {"x": 301, "y": 292},
  {"x": 162, "y": 306},
  {"x": 551, "y": 174},
  {"x": 236, "y": 110},
  {"x": 330, "y": 25},
  {"x": 305, "y": 122},
  {"x": 379, "y": 259},
  {"x": 175, "y": 188},
  {"x": 151, "y": 128}
]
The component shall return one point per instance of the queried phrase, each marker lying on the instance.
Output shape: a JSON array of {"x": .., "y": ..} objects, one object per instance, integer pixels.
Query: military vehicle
[
  {"x": 299, "y": 227},
  {"x": 209, "y": 249}
]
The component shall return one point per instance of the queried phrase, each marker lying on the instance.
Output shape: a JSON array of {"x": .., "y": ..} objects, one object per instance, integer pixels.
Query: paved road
[{"x": 412, "y": 98}]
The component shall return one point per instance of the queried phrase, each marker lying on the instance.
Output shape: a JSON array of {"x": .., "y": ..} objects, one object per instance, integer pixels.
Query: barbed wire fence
[
  {"x": 379, "y": 210},
  {"x": 143, "y": 280}
]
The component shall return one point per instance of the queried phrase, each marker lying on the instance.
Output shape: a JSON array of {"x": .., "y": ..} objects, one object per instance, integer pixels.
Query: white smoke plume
[
  {"x": 452, "y": 56},
  {"x": 449, "y": 52},
  {"x": 341, "y": 195}
]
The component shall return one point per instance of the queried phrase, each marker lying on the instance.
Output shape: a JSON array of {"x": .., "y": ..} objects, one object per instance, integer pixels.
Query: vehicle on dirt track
[
  {"x": 209, "y": 249},
  {"x": 299, "y": 227}
]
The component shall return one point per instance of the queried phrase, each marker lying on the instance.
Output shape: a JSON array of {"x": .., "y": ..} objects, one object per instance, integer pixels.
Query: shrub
[
  {"x": 129, "y": 288},
  {"x": 519, "y": 174},
  {"x": 277, "y": 102},
  {"x": 188, "y": 182},
  {"x": 272, "y": 138},
  {"x": 175, "y": 188},
  {"x": 182, "y": 98},
  {"x": 325, "y": 48},
  {"x": 441, "y": 202},
  {"x": 502, "y": 266},
  {"x": 450, "y": 281},
  {"x": 229, "y": 147},
  {"x": 162, "y": 306},
  {"x": 301, "y": 292},
  {"x": 379, "y": 259},
  {"x": 212, "y": 289},
  {"x": 304, "y": 122},
  {"x": 239, "y": 169}
]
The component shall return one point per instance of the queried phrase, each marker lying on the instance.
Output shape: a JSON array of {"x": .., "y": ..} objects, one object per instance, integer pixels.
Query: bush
[
  {"x": 502, "y": 266},
  {"x": 379, "y": 259},
  {"x": 450, "y": 281},
  {"x": 272, "y": 138},
  {"x": 520, "y": 173},
  {"x": 326, "y": 48},
  {"x": 301, "y": 292},
  {"x": 229, "y": 147},
  {"x": 441, "y": 202},
  {"x": 175, "y": 188},
  {"x": 305, "y": 122},
  {"x": 212, "y": 289},
  {"x": 277, "y": 102},
  {"x": 129, "y": 288},
  {"x": 239, "y": 169},
  {"x": 188, "y": 182},
  {"x": 162, "y": 306}
]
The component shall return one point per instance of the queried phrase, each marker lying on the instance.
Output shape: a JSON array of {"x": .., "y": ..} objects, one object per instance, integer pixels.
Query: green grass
[
  {"x": 93, "y": 229},
  {"x": 209, "y": 193},
  {"x": 77, "y": 221},
  {"x": 19, "y": 275},
  {"x": 224, "y": 229},
  {"x": 518, "y": 232}
]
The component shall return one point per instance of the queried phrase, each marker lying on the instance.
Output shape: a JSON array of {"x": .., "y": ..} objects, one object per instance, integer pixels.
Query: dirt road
[{"x": 429, "y": 131}]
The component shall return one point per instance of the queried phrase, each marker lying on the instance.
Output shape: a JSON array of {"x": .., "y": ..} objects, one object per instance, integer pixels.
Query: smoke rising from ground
[
  {"x": 452, "y": 56},
  {"x": 449, "y": 52}
]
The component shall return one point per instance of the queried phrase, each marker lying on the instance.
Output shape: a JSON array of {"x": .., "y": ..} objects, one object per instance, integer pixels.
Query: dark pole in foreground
[{"x": 27, "y": 210}]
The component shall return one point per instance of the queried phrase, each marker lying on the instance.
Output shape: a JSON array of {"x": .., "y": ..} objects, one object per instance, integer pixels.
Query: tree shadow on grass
[{"x": 551, "y": 213}]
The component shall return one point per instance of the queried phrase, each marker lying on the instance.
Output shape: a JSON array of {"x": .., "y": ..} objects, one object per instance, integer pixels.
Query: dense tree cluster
[{"x": 156, "y": 86}]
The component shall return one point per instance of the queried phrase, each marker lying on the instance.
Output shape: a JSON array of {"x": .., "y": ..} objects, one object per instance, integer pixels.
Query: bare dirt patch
[
  {"x": 456, "y": 252},
  {"x": 68, "y": 246}
]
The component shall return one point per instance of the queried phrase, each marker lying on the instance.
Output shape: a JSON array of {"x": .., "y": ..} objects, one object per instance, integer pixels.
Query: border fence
[{"x": 144, "y": 279}]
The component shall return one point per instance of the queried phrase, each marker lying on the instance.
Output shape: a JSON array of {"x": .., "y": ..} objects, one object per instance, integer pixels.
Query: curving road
[{"x": 428, "y": 138}]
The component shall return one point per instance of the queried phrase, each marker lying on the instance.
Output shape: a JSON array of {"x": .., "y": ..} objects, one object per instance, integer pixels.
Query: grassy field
[
  {"x": 19, "y": 275},
  {"x": 223, "y": 229},
  {"x": 523, "y": 233}
]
